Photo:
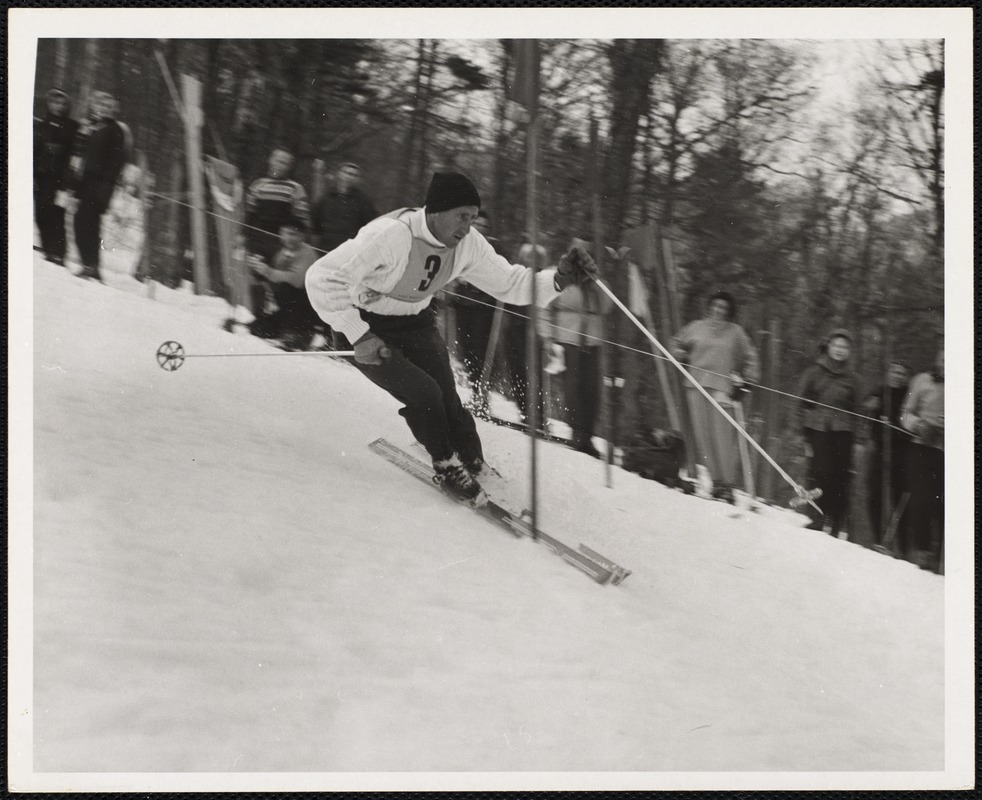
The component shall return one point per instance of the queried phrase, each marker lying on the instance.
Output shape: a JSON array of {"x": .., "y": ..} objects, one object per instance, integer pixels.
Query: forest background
[{"x": 805, "y": 177}]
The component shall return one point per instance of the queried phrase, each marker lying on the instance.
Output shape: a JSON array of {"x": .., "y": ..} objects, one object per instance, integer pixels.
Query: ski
[
  {"x": 521, "y": 426},
  {"x": 599, "y": 568}
]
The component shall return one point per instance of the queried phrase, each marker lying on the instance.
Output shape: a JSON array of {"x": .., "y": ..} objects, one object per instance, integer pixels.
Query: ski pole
[
  {"x": 170, "y": 355},
  {"x": 799, "y": 490},
  {"x": 748, "y": 472}
]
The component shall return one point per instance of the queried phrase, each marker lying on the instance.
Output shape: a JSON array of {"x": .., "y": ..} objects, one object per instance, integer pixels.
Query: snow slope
[{"x": 226, "y": 580}]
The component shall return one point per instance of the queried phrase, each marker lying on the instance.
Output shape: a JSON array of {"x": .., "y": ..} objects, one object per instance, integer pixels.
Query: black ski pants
[
  {"x": 419, "y": 375},
  {"x": 88, "y": 232},
  {"x": 830, "y": 470}
]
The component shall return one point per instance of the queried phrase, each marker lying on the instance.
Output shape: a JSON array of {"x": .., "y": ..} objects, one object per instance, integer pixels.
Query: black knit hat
[
  {"x": 727, "y": 298},
  {"x": 450, "y": 190}
]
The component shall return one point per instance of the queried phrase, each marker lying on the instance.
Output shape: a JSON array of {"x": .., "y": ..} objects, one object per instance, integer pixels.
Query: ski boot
[{"x": 458, "y": 482}]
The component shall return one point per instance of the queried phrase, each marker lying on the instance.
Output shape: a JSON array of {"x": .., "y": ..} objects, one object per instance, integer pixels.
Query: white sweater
[{"x": 360, "y": 273}]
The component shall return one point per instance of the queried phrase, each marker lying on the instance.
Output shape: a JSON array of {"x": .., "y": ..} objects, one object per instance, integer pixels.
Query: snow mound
[{"x": 227, "y": 580}]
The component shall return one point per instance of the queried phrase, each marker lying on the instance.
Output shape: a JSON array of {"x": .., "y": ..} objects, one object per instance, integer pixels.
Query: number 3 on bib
[{"x": 432, "y": 267}]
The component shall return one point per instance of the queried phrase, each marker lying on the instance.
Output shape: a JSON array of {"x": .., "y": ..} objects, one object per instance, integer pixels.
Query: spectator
[
  {"x": 294, "y": 321},
  {"x": 893, "y": 393},
  {"x": 102, "y": 160},
  {"x": 923, "y": 416},
  {"x": 54, "y": 137},
  {"x": 270, "y": 202},
  {"x": 574, "y": 322},
  {"x": 341, "y": 211},
  {"x": 475, "y": 315},
  {"x": 516, "y": 341},
  {"x": 721, "y": 357},
  {"x": 830, "y": 396}
]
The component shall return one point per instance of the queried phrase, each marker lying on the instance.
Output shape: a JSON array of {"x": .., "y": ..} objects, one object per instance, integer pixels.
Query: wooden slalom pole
[{"x": 800, "y": 491}]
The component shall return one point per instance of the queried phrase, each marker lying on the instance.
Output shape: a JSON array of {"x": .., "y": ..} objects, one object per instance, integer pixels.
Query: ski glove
[
  {"x": 369, "y": 349},
  {"x": 739, "y": 390},
  {"x": 577, "y": 266}
]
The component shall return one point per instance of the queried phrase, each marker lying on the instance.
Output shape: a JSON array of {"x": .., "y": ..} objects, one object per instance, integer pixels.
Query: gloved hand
[
  {"x": 738, "y": 390},
  {"x": 804, "y": 444},
  {"x": 929, "y": 434},
  {"x": 577, "y": 266},
  {"x": 257, "y": 266},
  {"x": 369, "y": 349}
]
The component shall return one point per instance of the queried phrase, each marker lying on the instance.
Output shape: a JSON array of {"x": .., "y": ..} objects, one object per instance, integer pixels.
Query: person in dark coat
[
  {"x": 342, "y": 210},
  {"x": 830, "y": 396},
  {"x": 102, "y": 161},
  {"x": 54, "y": 138},
  {"x": 892, "y": 394}
]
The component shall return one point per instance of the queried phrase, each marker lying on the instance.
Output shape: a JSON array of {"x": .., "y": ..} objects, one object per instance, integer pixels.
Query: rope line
[
  {"x": 598, "y": 339},
  {"x": 649, "y": 354}
]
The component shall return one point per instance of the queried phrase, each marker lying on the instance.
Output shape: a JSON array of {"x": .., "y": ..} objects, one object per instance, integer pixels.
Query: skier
[{"x": 376, "y": 290}]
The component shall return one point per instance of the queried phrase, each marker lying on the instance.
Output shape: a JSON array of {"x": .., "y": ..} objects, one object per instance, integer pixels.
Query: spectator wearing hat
[
  {"x": 54, "y": 138},
  {"x": 830, "y": 398},
  {"x": 294, "y": 321},
  {"x": 923, "y": 416},
  {"x": 102, "y": 160},
  {"x": 271, "y": 202},
  {"x": 722, "y": 358},
  {"x": 377, "y": 289},
  {"x": 342, "y": 210}
]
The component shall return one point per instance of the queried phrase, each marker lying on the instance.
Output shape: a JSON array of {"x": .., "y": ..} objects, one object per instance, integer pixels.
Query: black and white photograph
[{"x": 479, "y": 399}]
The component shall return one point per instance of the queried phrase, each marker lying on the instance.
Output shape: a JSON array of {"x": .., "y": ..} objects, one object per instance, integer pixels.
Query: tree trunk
[
  {"x": 409, "y": 145},
  {"x": 633, "y": 66}
]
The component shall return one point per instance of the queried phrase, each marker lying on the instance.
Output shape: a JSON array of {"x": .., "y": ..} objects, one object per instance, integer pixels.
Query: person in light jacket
[
  {"x": 830, "y": 397},
  {"x": 923, "y": 416},
  {"x": 721, "y": 357},
  {"x": 574, "y": 323}
]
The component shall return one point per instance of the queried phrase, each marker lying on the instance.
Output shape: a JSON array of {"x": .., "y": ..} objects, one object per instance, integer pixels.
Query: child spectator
[{"x": 294, "y": 322}]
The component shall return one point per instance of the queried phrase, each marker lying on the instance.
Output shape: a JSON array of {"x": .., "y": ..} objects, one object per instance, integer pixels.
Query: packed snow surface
[{"x": 227, "y": 580}]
